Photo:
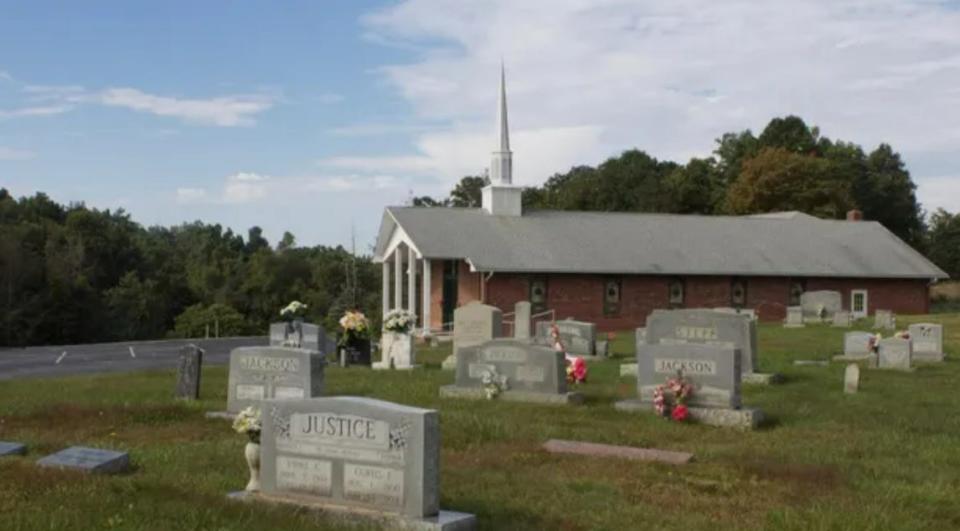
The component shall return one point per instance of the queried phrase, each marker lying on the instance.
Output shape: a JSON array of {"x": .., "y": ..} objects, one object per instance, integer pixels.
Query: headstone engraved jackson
[
  {"x": 189, "y": 369},
  {"x": 927, "y": 341},
  {"x": 533, "y": 373},
  {"x": 708, "y": 327},
  {"x": 365, "y": 458},
  {"x": 473, "y": 323},
  {"x": 259, "y": 373},
  {"x": 714, "y": 372},
  {"x": 579, "y": 338}
]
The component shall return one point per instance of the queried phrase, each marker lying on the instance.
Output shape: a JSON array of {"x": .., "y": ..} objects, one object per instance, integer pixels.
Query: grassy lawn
[{"x": 885, "y": 458}]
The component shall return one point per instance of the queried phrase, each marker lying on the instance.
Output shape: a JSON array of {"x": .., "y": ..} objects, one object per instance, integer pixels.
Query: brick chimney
[{"x": 854, "y": 215}]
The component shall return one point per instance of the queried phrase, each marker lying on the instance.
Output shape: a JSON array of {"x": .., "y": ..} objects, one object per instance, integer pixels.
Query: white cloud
[
  {"x": 587, "y": 79},
  {"x": 245, "y": 188},
  {"x": 190, "y": 195},
  {"x": 8, "y": 153},
  {"x": 940, "y": 192},
  {"x": 224, "y": 111},
  {"x": 5, "y": 76},
  {"x": 44, "y": 110}
]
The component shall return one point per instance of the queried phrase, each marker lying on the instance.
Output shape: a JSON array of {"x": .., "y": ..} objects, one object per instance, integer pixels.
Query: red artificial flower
[{"x": 679, "y": 413}]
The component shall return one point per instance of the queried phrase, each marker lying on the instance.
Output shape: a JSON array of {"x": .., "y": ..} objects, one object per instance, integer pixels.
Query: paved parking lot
[{"x": 63, "y": 360}]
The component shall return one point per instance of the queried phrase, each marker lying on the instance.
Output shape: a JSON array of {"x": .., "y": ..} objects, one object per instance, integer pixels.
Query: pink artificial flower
[
  {"x": 679, "y": 413},
  {"x": 576, "y": 369}
]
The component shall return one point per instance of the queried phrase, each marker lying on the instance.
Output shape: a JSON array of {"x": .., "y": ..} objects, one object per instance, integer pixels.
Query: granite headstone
[
  {"x": 189, "y": 369},
  {"x": 706, "y": 327},
  {"x": 473, "y": 323},
  {"x": 521, "y": 320},
  {"x": 820, "y": 305},
  {"x": 88, "y": 460},
  {"x": 851, "y": 379},
  {"x": 259, "y": 373},
  {"x": 794, "y": 317},
  {"x": 927, "y": 341},
  {"x": 578, "y": 337},
  {"x": 895, "y": 353}
]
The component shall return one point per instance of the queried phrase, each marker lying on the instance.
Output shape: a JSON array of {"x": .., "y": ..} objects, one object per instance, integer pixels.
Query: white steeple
[{"x": 501, "y": 161}]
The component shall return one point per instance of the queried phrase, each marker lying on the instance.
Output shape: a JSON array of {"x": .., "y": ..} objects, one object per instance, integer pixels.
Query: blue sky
[{"x": 311, "y": 116}]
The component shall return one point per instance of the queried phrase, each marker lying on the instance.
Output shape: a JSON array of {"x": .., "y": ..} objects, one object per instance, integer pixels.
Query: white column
[
  {"x": 411, "y": 280},
  {"x": 397, "y": 278},
  {"x": 386, "y": 285},
  {"x": 425, "y": 325}
]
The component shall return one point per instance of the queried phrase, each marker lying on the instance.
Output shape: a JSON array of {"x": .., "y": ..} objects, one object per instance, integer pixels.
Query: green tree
[
  {"x": 779, "y": 180},
  {"x": 695, "y": 188},
  {"x": 944, "y": 241},
  {"x": 886, "y": 193},
  {"x": 467, "y": 192}
]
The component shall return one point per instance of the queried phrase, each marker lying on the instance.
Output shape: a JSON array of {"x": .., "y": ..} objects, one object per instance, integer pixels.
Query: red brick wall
[{"x": 581, "y": 296}]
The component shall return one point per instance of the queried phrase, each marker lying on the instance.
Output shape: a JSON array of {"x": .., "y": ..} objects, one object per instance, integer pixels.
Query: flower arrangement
[
  {"x": 576, "y": 370},
  {"x": 681, "y": 390},
  {"x": 873, "y": 344},
  {"x": 903, "y": 334},
  {"x": 294, "y": 310},
  {"x": 399, "y": 321},
  {"x": 355, "y": 326},
  {"x": 555, "y": 339},
  {"x": 493, "y": 383},
  {"x": 821, "y": 311},
  {"x": 248, "y": 422}
]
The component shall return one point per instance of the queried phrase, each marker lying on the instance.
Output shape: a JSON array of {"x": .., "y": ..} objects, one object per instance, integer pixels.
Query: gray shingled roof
[{"x": 780, "y": 244}]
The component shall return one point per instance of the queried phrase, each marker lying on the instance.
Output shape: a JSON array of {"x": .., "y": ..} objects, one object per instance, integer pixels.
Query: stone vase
[{"x": 252, "y": 453}]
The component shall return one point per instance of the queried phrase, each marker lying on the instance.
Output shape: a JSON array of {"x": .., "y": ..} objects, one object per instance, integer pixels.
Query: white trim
[
  {"x": 425, "y": 325},
  {"x": 397, "y": 279},
  {"x": 386, "y": 287},
  {"x": 411, "y": 280},
  {"x": 866, "y": 307}
]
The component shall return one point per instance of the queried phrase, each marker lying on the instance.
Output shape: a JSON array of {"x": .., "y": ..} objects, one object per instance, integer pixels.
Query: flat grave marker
[
  {"x": 12, "y": 448},
  {"x": 88, "y": 460}
]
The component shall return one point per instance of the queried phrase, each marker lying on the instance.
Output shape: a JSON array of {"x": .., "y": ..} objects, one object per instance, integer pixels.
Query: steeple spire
[{"x": 501, "y": 161}]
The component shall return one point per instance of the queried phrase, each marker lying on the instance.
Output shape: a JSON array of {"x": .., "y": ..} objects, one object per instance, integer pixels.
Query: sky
[{"x": 311, "y": 116}]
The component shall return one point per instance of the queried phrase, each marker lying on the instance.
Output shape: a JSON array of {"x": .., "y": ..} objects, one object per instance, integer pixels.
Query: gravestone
[
  {"x": 189, "y": 368},
  {"x": 372, "y": 461},
  {"x": 884, "y": 320},
  {"x": 842, "y": 319},
  {"x": 713, "y": 370},
  {"x": 579, "y": 338},
  {"x": 894, "y": 353},
  {"x": 812, "y": 301},
  {"x": 259, "y": 373},
  {"x": 533, "y": 373},
  {"x": 856, "y": 346},
  {"x": 794, "y": 317},
  {"x": 521, "y": 320},
  {"x": 927, "y": 341},
  {"x": 738, "y": 311},
  {"x": 473, "y": 323},
  {"x": 88, "y": 460},
  {"x": 397, "y": 351},
  {"x": 851, "y": 379},
  {"x": 12, "y": 448},
  {"x": 708, "y": 327},
  {"x": 278, "y": 334}
]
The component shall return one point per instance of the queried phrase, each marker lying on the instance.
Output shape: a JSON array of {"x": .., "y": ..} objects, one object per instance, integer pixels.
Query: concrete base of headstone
[
  {"x": 741, "y": 419},
  {"x": 852, "y": 357},
  {"x": 443, "y": 521},
  {"x": 792, "y": 325},
  {"x": 383, "y": 366},
  {"x": 478, "y": 393},
  {"x": 12, "y": 448},
  {"x": 927, "y": 357},
  {"x": 628, "y": 369},
  {"x": 223, "y": 415},
  {"x": 804, "y": 363},
  {"x": 761, "y": 378},
  {"x": 450, "y": 363},
  {"x": 557, "y": 446},
  {"x": 86, "y": 459}
]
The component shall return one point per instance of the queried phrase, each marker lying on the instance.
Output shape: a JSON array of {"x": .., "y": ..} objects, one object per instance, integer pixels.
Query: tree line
[
  {"x": 73, "y": 274},
  {"x": 788, "y": 166}
]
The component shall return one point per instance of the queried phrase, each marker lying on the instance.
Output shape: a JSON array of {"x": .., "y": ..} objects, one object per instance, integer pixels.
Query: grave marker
[
  {"x": 579, "y": 338},
  {"x": 259, "y": 373},
  {"x": 851, "y": 379},
  {"x": 895, "y": 353},
  {"x": 714, "y": 372},
  {"x": 533, "y": 373},
  {"x": 473, "y": 323},
  {"x": 927, "y": 341},
  {"x": 885, "y": 320},
  {"x": 521, "y": 320},
  {"x": 88, "y": 460},
  {"x": 12, "y": 448},
  {"x": 812, "y": 301},
  {"x": 842, "y": 319},
  {"x": 794, "y": 317},
  {"x": 856, "y": 346},
  {"x": 189, "y": 369}
]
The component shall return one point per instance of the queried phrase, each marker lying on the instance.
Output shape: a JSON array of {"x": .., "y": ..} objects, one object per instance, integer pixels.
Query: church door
[{"x": 450, "y": 281}]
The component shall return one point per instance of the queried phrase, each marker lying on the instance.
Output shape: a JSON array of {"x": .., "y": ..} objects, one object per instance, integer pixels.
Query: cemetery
[{"x": 138, "y": 448}]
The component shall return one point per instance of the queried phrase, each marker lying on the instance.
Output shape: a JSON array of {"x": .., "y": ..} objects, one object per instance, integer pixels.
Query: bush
[{"x": 222, "y": 320}]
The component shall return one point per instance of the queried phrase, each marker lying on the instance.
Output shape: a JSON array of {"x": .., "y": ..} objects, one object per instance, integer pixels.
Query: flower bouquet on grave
[
  {"x": 873, "y": 344},
  {"x": 248, "y": 422},
  {"x": 903, "y": 334},
  {"x": 576, "y": 370},
  {"x": 680, "y": 391},
  {"x": 355, "y": 337},
  {"x": 555, "y": 340},
  {"x": 493, "y": 383},
  {"x": 295, "y": 311},
  {"x": 821, "y": 311},
  {"x": 399, "y": 321}
]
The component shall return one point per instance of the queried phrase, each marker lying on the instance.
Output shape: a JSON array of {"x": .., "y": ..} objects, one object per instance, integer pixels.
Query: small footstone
[
  {"x": 851, "y": 379},
  {"x": 758, "y": 378},
  {"x": 802, "y": 363},
  {"x": 628, "y": 369},
  {"x": 12, "y": 448},
  {"x": 88, "y": 460},
  {"x": 557, "y": 446}
]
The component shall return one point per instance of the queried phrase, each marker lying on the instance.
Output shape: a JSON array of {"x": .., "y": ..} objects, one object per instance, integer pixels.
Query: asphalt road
[{"x": 65, "y": 360}]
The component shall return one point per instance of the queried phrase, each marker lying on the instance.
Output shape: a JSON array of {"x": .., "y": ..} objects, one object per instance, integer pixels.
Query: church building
[{"x": 613, "y": 269}]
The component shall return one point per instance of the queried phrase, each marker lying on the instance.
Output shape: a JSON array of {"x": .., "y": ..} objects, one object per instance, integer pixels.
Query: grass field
[{"x": 885, "y": 458}]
